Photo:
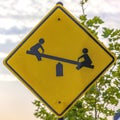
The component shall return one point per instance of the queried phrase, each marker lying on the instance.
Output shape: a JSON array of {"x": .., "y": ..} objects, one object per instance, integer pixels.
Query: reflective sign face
[{"x": 59, "y": 60}]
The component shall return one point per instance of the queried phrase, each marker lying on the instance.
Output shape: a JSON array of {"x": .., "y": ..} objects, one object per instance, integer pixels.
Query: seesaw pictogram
[{"x": 34, "y": 50}]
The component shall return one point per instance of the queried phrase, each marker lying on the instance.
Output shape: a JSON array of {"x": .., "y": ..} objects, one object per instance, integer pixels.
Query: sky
[{"x": 17, "y": 18}]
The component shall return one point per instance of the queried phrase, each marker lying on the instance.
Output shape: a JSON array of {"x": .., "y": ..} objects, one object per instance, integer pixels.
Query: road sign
[{"x": 59, "y": 60}]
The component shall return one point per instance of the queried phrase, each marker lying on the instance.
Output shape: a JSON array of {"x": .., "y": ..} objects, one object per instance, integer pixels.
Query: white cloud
[
  {"x": 2, "y": 55},
  {"x": 6, "y": 38},
  {"x": 10, "y": 22},
  {"x": 7, "y": 77},
  {"x": 103, "y": 6}
]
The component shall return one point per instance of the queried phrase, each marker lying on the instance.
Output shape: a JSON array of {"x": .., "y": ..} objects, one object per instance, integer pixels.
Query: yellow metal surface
[{"x": 64, "y": 37}]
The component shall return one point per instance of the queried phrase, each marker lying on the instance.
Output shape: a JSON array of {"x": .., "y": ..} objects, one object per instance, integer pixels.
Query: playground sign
[{"x": 59, "y": 60}]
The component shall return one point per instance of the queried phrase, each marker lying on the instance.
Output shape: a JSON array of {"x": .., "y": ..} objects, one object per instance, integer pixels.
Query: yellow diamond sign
[{"x": 59, "y": 60}]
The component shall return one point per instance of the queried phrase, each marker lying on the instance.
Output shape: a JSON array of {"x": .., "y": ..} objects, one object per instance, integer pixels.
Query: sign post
[
  {"x": 61, "y": 118},
  {"x": 59, "y": 60}
]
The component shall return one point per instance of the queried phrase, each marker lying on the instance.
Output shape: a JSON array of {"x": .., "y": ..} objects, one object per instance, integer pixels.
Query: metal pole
[{"x": 61, "y": 118}]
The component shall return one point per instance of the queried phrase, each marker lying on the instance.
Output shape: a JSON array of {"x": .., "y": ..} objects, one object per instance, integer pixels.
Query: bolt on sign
[{"x": 59, "y": 60}]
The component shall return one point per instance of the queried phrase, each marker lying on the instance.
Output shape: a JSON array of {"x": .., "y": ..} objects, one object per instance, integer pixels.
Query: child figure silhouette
[
  {"x": 87, "y": 61},
  {"x": 34, "y": 49}
]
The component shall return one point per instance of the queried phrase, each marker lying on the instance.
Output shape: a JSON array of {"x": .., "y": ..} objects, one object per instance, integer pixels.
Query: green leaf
[
  {"x": 116, "y": 32},
  {"x": 83, "y": 18},
  {"x": 107, "y": 32},
  {"x": 97, "y": 20},
  {"x": 89, "y": 23}
]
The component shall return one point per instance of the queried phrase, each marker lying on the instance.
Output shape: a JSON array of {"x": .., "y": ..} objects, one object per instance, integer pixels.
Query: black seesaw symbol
[
  {"x": 53, "y": 58},
  {"x": 59, "y": 67}
]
